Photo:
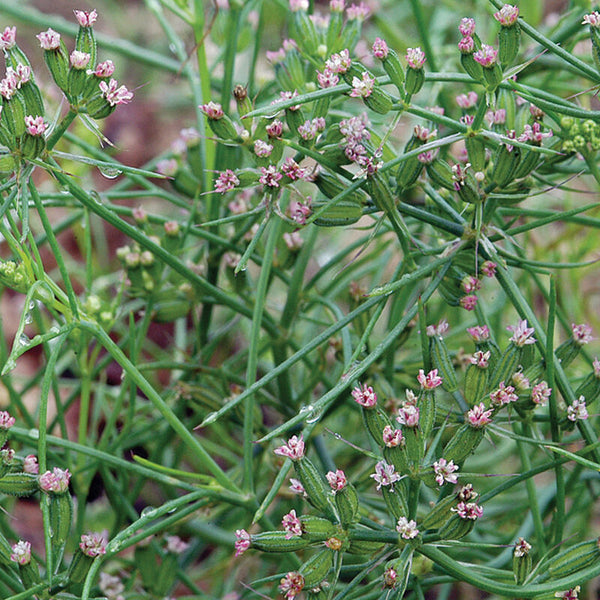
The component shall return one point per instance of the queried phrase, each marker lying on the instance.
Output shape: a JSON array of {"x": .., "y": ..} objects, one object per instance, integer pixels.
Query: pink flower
[
  {"x": 468, "y": 100},
  {"x": 385, "y": 474},
  {"x": 503, "y": 395},
  {"x": 30, "y": 464},
  {"x": 115, "y": 94},
  {"x": 262, "y": 149},
  {"x": 592, "y": 19},
  {"x": 242, "y": 541},
  {"x": 337, "y": 480},
  {"x": 486, "y": 56},
  {"x": 21, "y": 553},
  {"x": 596, "y": 367},
  {"x": 478, "y": 416},
  {"x": 540, "y": 393},
  {"x": 93, "y": 544},
  {"x": 175, "y": 545},
  {"x": 55, "y": 481},
  {"x": 392, "y": 437},
  {"x": 362, "y": 87},
  {"x": 22, "y": 74},
  {"x": 35, "y": 125},
  {"x": 291, "y": 585},
  {"x": 226, "y": 181},
  {"x": 427, "y": 157},
  {"x": 521, "y": 334},
  {"x": 521, "y": 382},
  {"x": 8, "y": 38},
  {"x": 276, "y": 56},
  {"x": 467, "y": 493},
  {"x": 415, "y": 57},
  {"x": 380, "y": 49},
  {"x": 533, "y": 133},
  {"x": 468, "y": 302},
  {"x": 6, "y": 421},
  {"x": 429, "y": 381},
  {"x": 103, "y": 69},
  {"x": 296, "y": 487},
  {"x": 444, "y": 471},
  {"x": 327, "y": 78},
  {"x": 480, "y": 359},
  {"x": 49, "y": 39},
  {"x": 577, "y": 411},
  {"x": 275, "y": 129},
  {"x": 84, "y": 18},
  {"x": 408, "y": 414},
  {"x": 79, "y": 60},
  {"x": 270, "y": 177},
  {"x": 437, "y": 330},
  {"x": 358, "y": 12},
  {"x": 468, "y": 510},
  {"x": 572, "y": 594},
  {"x": 365, "y": 396},
  {"x": 213, "y": 110},
  {"x": 308, "y": 130},
  {"x": 467, "y": 26},
  {"x": 292, "y": 525},
  {"x": 337, "y": 5},
  {"x": 297, "y": 5},
  {"x": 9, "y": 85},
  {"x": 522, "y": 548},
  {"x": 339, "y": 63},
  {"x": 299, "y": 211},
  {"x": 582, "y": 334},
  {"x": 466, "y": 45},
  {"x": 167, "y": 167},
  {"x": 292, "y": 169},
  {"x": 496, "y": 117},
  {"x": 293, "y": 241},
  {"x": 294, "y": 448},
  {"x": 479, "y": 333},
  {"x": 470, "y": 283},
  {"x": 407, "y": 529},
  {"x": 507, "y": 16},
  {"x": 488, "y": 268}
]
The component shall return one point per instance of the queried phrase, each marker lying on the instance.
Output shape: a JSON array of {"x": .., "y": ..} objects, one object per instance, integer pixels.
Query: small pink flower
[
  {"x": 468, "y": 302},
  {"x": 104, "y": 69},
  {"x": 226, "y": 181},
  {"x": 428, "y": 157},
  {"x": 308, "y": 130},
  {"x": 35, "y": 125},
  {"x": 79, "y": 60},
  {"x": 298, "y": 211},
  {"x": 242, "y": 541},
  {"x": 468, "y": 100},
  {"x": 293, "y": 241},
  {"x": 175, "y": 545},
  {"x": 522, "y": 548},
  {"x": 470, "y": 284},
  {"x": 437, "y": 330},
  {"x": 521, "y": 334},
  {"x": 488, "y": 268},
  {"x": 292, "y": 169},
  {"x": 444, "y": 471},
  {"x": 84, "y": 18},
  {"x": 9, "y": 85},
  {"x": 358, "y": 12},
  {"x": 93, "y": 544},
  {"x": 275, "y": 129},
  {"x": 466, "y": 45},
  {"x": 415, "y": 57},
  {"x": 262, "y": 149},
  {"x": 486, "y": 56},
  {"x": 407, "y": 529},
  {"x": 276, "y": 56},
  {"x": 480, "y": 359},
  {"x": 297, "y": 5},
  {"x": 521, "y": 382},
  {"x": 496, "y": 117},
  {"x": 408, "y": 414},
  {"x": 294, "y": 448},
  {"x": 380, "y": 49},
  {"x": 291, "y": 525},
  {"x": 270, "y": 177},
  {"x": 577, "y": 411},
  {"x": 592, "y": 19},
  {"x": 49, "y": 39},
  {"x": 30, "y": 464},
  {"x": 596, "y": 367},
  {"x": 115, "y": 94},
  {"x": 571, "y": 594},
  {"x": 390, "y": 578},
  {"x": 468, "y": 510},
  {"x": 582, "y": 334},
  {"x": 337, "y": 6},
  {"x": 385, "y": 474},
  {"x": 167, "y": 167},
  {"x": 429, "y": 381},
  {"x": 8, "y": 38},
  {"x": 392, "y": 437},
  {"x": 540, "y": 393},
  {"x": 503, "y": 395},
  {"x": 507, "y": 16},
  {"x": 22, "y": 73},
  {"x": 479, "y": 333},
  {"x": 327, "y": 78},
  {"x": 213, "y": 110},
  {"x": 365, "y": 396},
  {"x": 478, "y": 416},
  {"x": 337, "y": 480},
  {"x": 362, "y": 88},
  {"x": 21, "y": 553},
  {"x": 291, "y": 585},
  {"x": 296, "y": 487},
  {"x": 467, "y": 493},
  {"x": 6, "y": 421},
  {"x": 339, "y": 63},
  {"x": 55, "y": 481},
  {"x": 467, "y": 26}
]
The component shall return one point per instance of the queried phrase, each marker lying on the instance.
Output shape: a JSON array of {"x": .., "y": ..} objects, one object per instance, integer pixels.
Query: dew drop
[
  {"x": 210, "y": 418},
  {"x": 34, "y": 434},
  {"x": 54, "y": 329},
  {"x": 148, "y": 512},
  {"x": 173, "y": 48},
  {"x": 24, "y": 340},
  {"x": 28, "y": 318},
  {"x": 110, "y": 172},
  {"x": 31, "y": 305}
]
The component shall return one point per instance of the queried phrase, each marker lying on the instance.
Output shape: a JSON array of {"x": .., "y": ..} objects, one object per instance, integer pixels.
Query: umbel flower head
[
  {"x": 294, "y": 448},
  {"x": 93, "y": 544},
  {"x": 21, "y": 553},
  {"x": 55, "y": 481}
]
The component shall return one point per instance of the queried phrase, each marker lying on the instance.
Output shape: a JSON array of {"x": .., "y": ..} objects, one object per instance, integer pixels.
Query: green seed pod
[
  {"x": 30, "y": 574},
  {"x": 19, "y": 484},
  {"x": 164, "y": 578},
  {"x": 394, "y": 70},
  {"x": 567, "y": 352},
  {"x": 440, "y": 513},
  {"x": 304, "y": 32},
  {"x": 224, "y": 128},
  {"x": 505, "y": 165},
  {"x": 34, "y": 105},
  {"x": 13, "y": 114},
  {"x": 492, "y": 77},
  {"x": 334, "y": 29},
  {"x": 522, "y": 562},
  {"x": 364, "y": 547},
  {"x": 379, "y": 100},
  {"x": 60, "y": 508},
  {"x": 571, "y": 560},
  {"x": 415, "y": 78},
  {"x": 316, "y": 568},
  {"x": 529, "y": 161},
  {"x": 414, "y": 445},
  {"x": 476, "y": 383},
  {"x": 321, "y": 107},
  {"x": 426, "y": 412},
  {"x": 589, "y": 389},
  {"x": 98, "y": 107},
  {"x": 509, "y": 39},
  {"x": 395, "y": 501},
  {"x": 314, "y": 486},
  {"x": 346, "y": 211},
  {"x": 79, "y": 567},
  {"x": 506, "y": 101},
  {"x": 471, "y": 67},
  {"x": 32, "y": 145},
  {"x": 57, "y": 62},
  {"x": 476, "y": 151},
  {"x": 398, "y": 457},
  {"x": 440, "y": 173},
  {"x": 375, "y": 421},
  {"x": 86, "y": 42},
  {"x": 316, "y": 529},
  {"x": 456, "y": 528},
  {"x": 294, "y": 118},
  {"x": 441, "y": 361},
  {"x": 347, "y": 503},
  {"x": 77, "y": 81},
  {"x": 507, "y": 365},
  {"x": 275, "y": 541},
  {"x": 463, "y": 443}
]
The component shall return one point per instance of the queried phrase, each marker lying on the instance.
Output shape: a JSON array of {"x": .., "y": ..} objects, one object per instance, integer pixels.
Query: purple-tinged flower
[
  {"x": 392, "y": 437},
  {"x": 468, "y": 302},
  {"x": 577, "y": 411},
  {"x": 467, "y": 493},
  {"x": 55, "y": 481},
  {"x": 213, "y": 110},
  {"x": 521, "y": 382},
  {"x": 9, "y": 85},
  {"x": 444, "y": 471},
  {"x": 294, "y": 448},
  {"x": 8, "y": 38},
  {"x": 242, "y": 541},
  {"x": 358, "y": 12},
  {"x": 415, "y": 57},
  {"x": 275, "y": 129},
  {"x": 296, "y": 487},
  {"x": 385, "y": 474},
  {"x": 167, "y": 167},
  {"x": 408, "y": 414},
  {"x": 104, "y": 69},
  {"x": 6, "y": 421},
  {"x": 292, "y": 169},
  {"x": 522, "y": 548},
  {"x": 291, "y": 585},
  {"x": 505, "y": 394},
  {"x": 30, "y": 464},
  {"x": 596, "y": 367},
  {"x": 533, "y": 133},
  {"x": 79, "y": 60},
  {"x": 35, "y": 125},
  {"x": 478, "y": 416},
  {"x": 467, "y": 120},
  {"x": 480, "y": 359},
  {"x": 467, "y": 26},
  {"x": 582, "y": 334},
  {"x": 339, "y": 62},
  {"x": 21, "y": 553},
  {"x": 496, "y": 117},
  {"x": 428, "y": 157},
  {"x": 337, "y": 480},
  {"x": 93, "y": 544},
  {"x": 276, "y": 56},
  {"x": 175, "y": 545},
  {"x": 424, "y": 133},
  {"x": 297, "y": 5},
  {"x": 226, "y": 181},
  {"x": 592, "y": 19},
  {"x": 507, "y": 16},
  {"x": 262, "y": 149},
  {"x": 362, "y": 88},
  {"x": 115, "y": 94},
  {"x": 407, "y": 529},
  {"x": 85, "y": 18},
  {"x": 327, "y": 78},
  {"x": 337, "y": 6},
  {"x": 429, "y": 381},
  {"x": 308, "y": 130},
  {"x": 49, "y": 39},
  {"x": 22, "y": 74},
  {"x": 486, "y": 56},
  {"x": 540, "y": 393},
  {"x": 380, "y": 49},
  {"x": 270, "y": 177},
  {"x": 293, "y": 241},
  {"x": 390, "y": 578},
  {"x": 479, "y": 333},
  {"x": 468, "y": 510},
  {"x": 437, "y": 330},
  {"x": 468, "y": 100},
  {"x": 365, "y": 396},
  {"x": 291, "y": 525},
  {"x": 521, "y": 334},
  {"x": 466, "y": 45},
  {"x": 287, "y": 95},
  {"x": 488, "y": 268},
  {"x": 299, "y": 211},
  {"x": 470, "y": 283},
  {"x": 572, "y": 594}
]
